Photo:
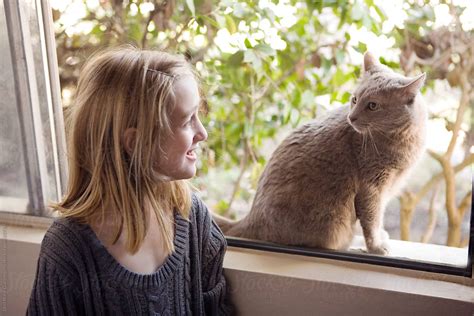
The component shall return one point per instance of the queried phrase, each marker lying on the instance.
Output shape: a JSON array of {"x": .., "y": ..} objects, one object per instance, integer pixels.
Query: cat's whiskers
[
  {"x": 363, "y": 148},
  {"x": 378, "y": 129},
  {"x": 364, "y": 138},
  {"x": 374, "y": 145}
]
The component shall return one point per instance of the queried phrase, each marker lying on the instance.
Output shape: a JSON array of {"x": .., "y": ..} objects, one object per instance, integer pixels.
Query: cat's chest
[
  {"x": 395, "y": 154},
  {"x": 387, "y": 168}
]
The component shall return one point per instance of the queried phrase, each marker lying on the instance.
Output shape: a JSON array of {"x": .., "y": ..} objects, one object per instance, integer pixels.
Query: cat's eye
[
  {"x": 353, "y": 100},
  {"x": 372, "y": 106}
]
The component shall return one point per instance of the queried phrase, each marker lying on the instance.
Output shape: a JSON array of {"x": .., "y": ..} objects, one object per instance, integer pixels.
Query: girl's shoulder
[
  {"x": 207, "y": 228},
  {"x": 198, "y": 207},
  {"x": 67, "y": 229},
  {"x": 65, "y": 241},
  {"x": 199, "y": 212}
]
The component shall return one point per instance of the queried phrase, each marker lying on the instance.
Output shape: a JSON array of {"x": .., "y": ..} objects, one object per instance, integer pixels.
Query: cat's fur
[{"x": 333, "y": 171}]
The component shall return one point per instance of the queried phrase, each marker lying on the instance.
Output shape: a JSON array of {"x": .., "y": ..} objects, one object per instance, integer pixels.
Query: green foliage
[
  {"x": 256, "y": 90},
  {"x": 260, "y": 84}
]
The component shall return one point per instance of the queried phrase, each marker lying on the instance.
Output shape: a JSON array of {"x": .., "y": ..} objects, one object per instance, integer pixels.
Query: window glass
[
  {"x": 30, "y": 170},
  {"x": 36, "y": 34},
  {"x": 13, "y": 184}
]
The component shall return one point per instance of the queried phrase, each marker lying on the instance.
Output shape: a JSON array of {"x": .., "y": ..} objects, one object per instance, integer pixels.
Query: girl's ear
[{"x": 128, "y": 139}]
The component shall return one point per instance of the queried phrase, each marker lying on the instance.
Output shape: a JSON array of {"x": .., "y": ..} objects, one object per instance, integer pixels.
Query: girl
[{"x": 132, "y": 239}]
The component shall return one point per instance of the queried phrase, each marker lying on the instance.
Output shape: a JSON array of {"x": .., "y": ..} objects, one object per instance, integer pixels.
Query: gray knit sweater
[{"x": 76, "y": 275}]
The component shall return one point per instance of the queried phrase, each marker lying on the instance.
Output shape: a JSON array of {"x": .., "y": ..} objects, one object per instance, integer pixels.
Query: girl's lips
[{"x": 191, "y": 155}]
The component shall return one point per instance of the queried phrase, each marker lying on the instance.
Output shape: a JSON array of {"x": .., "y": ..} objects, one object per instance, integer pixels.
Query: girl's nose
[{"x": 201, "y": 133}]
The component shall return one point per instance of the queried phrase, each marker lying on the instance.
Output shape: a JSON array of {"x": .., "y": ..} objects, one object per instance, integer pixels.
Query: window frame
[
  {"x": 28, "y": 105},
  {"x": 355, "y": 257}
]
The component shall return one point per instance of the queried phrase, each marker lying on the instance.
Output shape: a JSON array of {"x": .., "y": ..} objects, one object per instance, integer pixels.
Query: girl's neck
[
  {"x": 151, "y": 253},
  {"x": 106, "y": 224}
]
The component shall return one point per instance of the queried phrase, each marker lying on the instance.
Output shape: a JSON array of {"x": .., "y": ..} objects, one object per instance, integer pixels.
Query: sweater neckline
[{"x": 132, "y": 279}]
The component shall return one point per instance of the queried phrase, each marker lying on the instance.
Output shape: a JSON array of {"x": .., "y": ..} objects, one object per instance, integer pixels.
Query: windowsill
[
  {"x": 269, "y": 283},
  {"x": 25, "y": 221},
  {"x": 296, "y": 283},
  {"x": 403, "y": 255},
  {"x": 349, "y": 273},
  {"x": 415, "y": 251},
  {"x": 31, "y": 235}
]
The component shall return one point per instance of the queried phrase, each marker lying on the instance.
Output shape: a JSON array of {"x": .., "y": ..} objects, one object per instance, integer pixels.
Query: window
[
  {"x": 32, "y": 164},
  {"x": 32, "y": 138}
]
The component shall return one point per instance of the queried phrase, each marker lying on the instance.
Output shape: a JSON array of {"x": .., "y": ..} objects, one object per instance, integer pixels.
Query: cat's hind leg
[{"x": 338, "y": 236}]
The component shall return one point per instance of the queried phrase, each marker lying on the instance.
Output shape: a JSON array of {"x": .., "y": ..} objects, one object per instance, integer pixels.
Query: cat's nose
[{"x": 352, "y": 118}]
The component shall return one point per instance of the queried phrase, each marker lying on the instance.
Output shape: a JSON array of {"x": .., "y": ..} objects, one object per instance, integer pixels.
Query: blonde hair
[{"x": 119, "y": 89}]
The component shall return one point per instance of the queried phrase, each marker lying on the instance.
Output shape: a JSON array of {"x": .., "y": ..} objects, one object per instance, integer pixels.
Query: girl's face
[{"x": 177, "y": 159}]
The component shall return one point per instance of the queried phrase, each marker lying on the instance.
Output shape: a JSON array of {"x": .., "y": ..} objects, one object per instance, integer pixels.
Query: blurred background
[{"x": 270, "y": 66}]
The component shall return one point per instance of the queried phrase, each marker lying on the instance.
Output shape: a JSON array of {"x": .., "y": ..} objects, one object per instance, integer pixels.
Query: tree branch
[
  {"x": 243, "y": 168},
  {"x": 245, "y": 140},
  {"x": 439, "y": 176},
  {"x": 433, "y": 215},
  {"x": 464, "y": 243},
  {"x": 465, "y": 88},
  {"x": 465, "y": 202}
]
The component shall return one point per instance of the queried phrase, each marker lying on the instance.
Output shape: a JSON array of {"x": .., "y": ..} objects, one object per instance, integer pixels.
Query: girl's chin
[{"x": 186, "y": 171}]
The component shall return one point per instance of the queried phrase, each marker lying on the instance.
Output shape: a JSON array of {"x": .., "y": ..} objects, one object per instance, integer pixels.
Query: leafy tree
[
  {"x": 446, "y": 53},
  {"x": 266, "y": 66}
]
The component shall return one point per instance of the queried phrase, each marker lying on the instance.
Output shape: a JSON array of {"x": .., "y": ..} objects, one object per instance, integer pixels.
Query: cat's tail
[{"x": 224, "y": 224}]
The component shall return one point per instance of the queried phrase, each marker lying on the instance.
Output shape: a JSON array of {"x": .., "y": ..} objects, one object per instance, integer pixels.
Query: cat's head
[{"x": 384, "y": 101}]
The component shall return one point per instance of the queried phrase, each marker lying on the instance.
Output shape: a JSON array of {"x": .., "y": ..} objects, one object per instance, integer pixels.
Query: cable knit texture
[{"x": 76, "y": 275}]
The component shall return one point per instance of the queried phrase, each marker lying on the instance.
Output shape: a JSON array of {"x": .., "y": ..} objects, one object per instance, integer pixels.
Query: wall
[{"x": 20, "y": 267}]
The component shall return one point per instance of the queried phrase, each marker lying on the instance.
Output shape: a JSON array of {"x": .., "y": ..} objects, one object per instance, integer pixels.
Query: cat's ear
[
  {"x": 369, "y": 61},
  {"x": 414, "y": 85}
]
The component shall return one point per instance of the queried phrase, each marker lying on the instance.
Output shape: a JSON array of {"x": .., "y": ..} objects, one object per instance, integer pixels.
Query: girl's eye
[
  {"x": 190, "y": 121},
  {"x": 372, "y": 106},
  {"x": 354, "y": 100}
]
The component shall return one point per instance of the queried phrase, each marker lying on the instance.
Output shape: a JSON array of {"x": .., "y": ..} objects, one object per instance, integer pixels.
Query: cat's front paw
[{"x": 379, "y": 250}]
